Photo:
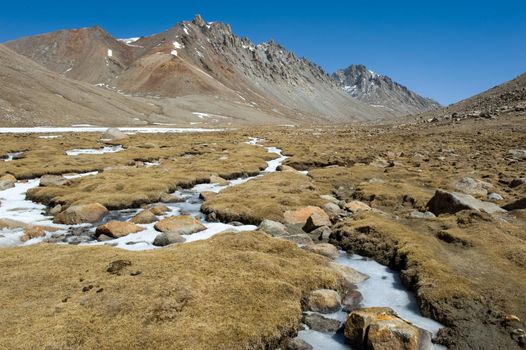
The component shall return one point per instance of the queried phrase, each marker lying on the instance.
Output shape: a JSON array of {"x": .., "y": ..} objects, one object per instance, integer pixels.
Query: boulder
[
  {"x": 296, "y": 344},
  {"x": 326, "y": 249},
  {"x": 7, "y": 181},
  {"x": 518, "y": 204},
  {"x": 495, "y": 197},
  {"x": 352, "y": 300},
  {"x": 381, "y": 328},
  {"x": 113, "y": 134},
  {"x": 159, "y": 209},
  {"x": 144, "y": 217},
  {"x": 349, "y": 275},
  {"x": 444, "y": 202},
  {"x": 357, "y": 206},
  {"x": 81, "y": 213},
  {"x": 301, "y": 239},
  {"x": 170, "y": 198},
  {"x": 320, "y": 323},
  {"x": 517, "y": 153},
  {"x": 324, "y": 301},
  {"x": 315, "y": 221},
  {"x": 332, "y": 209},
  {"x": 206, "y": 195},
  {"x": 53, "y": 180},
  {"x": 300, "y": 216},
  {"x": 55, "y": 210},
  {"x": 321, "y": 234},
  {"x": 474, "y": 187},
  {"x": 167, "y": 238},
  {"x": 273, "y": 228},
  {"x": 415, "y": 214},
  {"x": 330, "y": 199},
  {"x": 183, "y": 225},
  {"x": 214, "y": 179},
  {"x": 117, "y": 229}
]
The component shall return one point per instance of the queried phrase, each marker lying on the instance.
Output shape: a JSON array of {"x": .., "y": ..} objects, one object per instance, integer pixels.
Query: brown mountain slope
[
  {"x": 30, "y": 95},
  {"x": 507, "y": 98},
  {"x": 205, "y": 60}
]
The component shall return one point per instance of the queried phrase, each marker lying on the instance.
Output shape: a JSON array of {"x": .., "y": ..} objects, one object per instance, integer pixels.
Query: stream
[{"x": 383, "y": 288}]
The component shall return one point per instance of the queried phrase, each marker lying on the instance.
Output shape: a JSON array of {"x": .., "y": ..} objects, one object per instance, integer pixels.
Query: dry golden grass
[
  {"x": 266, "y": 197},
  {"x": 234, "y": 291}
]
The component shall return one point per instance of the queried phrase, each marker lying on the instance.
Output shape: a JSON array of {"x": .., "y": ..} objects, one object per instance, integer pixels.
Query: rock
[
  {"x": 415, "y": 214},
  {"x": 116, "y": 267},
  {"x": 357, "y": 206},
  {"x": 53, "y": 180},
  {"x": 104, "y": 238},
  {"x": 183, "y": 225},
  {"x": 170, "y": 198},
  {"x": 33, "y": 232},
  {"x": 518, "y": 204},
  {"x": 320, "y": 323},
  {"x": 518, "y": 182},
  {"x": 332, "y": 209},
  {"x": 7, "y": 181},
  {"x": 495, "y": 197},
  {"x": 296, "y": 344},
  {"x": 273, "y": 228},
  {"x": 349, "y": 275},
  {"x": 321, "y": 234},
  {"x": 471, "y": 186},
  {"x": 300, "y": 216},
  {"x": 82, "y": 213},
  {"x": 381, "y": 328},
  {"x": 444, "y": 202},
  {"x": 159, "y": 209},
  {"x": 214, "y": 179},
  {"x": 206, "y": 195},
  {"x": 12, "y": 224},
  {"x": 301, "y": 239},
  {"x": 144, "y": 217},
  {"x": 329, "y": 199},
  {"x": 117, "y": 229},
  {"x": 167, "y": 238},
  {"x": 326, "y": 249},
  {"x": 55, "y": 210},
  {"x": 315, "y": 221},
  {"x": 324, "y": 301},
  {"x": 113, "y": 134},
  {"x": 517, "y": 153},
  {"x": 352, "y": 300}
]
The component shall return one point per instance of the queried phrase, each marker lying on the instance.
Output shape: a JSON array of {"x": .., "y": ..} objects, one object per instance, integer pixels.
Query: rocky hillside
[
  {"x": 201, "y": 64},
  {"x": 508, "y": 98},
  {"x": 381, "y": 92},
  {"x": 31, "y": 95}
]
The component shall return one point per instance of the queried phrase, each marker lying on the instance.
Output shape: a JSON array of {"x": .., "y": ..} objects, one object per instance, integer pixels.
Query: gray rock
[
  {"x": 321, "y": 234},
  {"x": 517, "y": 153},
  {"x": 324, "y": 301},
  {"x": 321, "y": 324},
  {"x": 297, "y": 344},
  {"x": 7, "y": 181},
  {"x": 329, "y": 199},
  {"x": 55, "y": 210},
  {"x": 332, "y": 209},
  {"x": 352, "y": 300},
  {"x": 168, "y": 238},
  {"x": 53, "y": 180},
  {"x": 273, "y": 228},
  {"x": 444, "y": 202},
  {"x": 471, "y": 186},
  {"x": 415, "y": 214},
  {"x": 113, "y": 134},
  {"x": 301, "y": 239}
]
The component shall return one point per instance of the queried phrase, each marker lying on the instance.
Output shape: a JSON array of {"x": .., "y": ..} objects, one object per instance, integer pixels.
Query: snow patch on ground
[
  {"x": 105, "y": 149},
  {"x": 110, "y": 53}
]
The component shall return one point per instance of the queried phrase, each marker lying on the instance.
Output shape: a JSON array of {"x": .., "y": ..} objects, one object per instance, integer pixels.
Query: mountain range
[{"x": 195, "y": 73}]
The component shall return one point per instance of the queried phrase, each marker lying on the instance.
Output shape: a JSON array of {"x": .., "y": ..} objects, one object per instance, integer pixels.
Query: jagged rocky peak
[{"x": 380, "y": 91}]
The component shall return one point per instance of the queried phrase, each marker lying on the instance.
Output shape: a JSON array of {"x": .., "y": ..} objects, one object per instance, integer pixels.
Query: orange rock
[
  {"x": 82, "y": 213},
  {"x": 183, "y": 225},
  {"x": 117, "y": 229},
  {"x": 357, "y": 206},
  {"x": 300, "y": 216},
  {"x": 206, "y": 195}
]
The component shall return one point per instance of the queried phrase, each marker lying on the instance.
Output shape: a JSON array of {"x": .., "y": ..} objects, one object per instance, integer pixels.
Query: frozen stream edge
[{"x": 383, "y": 288}]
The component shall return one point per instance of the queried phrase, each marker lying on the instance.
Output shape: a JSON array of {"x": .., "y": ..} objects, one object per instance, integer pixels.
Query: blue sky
[{"x": 447, "y": 50}]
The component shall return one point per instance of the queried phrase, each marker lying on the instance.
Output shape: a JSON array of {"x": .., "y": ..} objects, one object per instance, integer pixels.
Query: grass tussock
[{"x": 234, "y": 291}]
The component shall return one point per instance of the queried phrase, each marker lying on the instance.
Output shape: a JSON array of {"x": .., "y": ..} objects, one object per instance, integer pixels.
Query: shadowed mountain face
[
  {"x": 200, "y": 64},
  {"x": 381, "y": 91}
]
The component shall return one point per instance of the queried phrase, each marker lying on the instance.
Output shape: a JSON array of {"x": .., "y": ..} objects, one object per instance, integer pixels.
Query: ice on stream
[
  {"x": 10, "y": 156},
  {"x": 105, "y": 149}
]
